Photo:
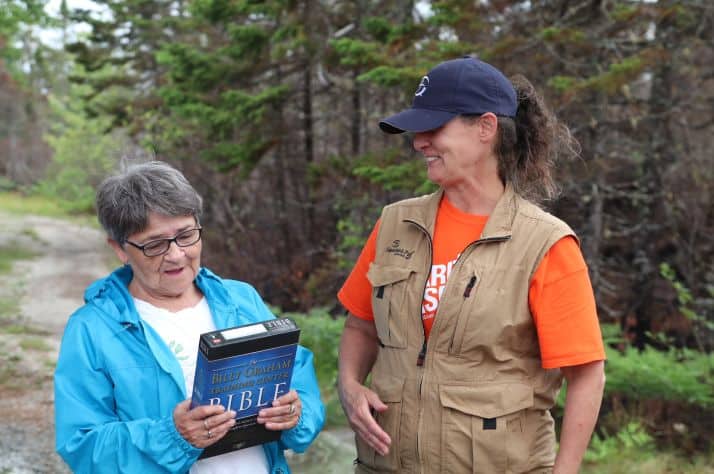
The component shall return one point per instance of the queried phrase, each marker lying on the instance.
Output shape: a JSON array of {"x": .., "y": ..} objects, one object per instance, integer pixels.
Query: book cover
[{"x": 245, "y": 368}]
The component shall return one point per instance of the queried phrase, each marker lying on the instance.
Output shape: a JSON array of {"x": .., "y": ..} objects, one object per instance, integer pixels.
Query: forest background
[{"x": 270, "y": 108}]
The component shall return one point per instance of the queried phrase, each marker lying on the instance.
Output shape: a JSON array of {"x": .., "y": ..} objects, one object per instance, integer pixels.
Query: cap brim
[{"x": 415, "y": 120}]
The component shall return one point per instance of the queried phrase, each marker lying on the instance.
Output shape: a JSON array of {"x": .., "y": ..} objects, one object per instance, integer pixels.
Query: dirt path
[{"x": 39, "y": 294}]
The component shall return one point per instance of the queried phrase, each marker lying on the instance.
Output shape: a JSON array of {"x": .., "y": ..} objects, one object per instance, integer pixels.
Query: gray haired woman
[{"x": 128, "y": 355}]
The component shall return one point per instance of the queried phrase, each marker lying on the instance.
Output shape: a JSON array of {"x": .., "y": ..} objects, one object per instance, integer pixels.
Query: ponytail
[{"x": 529, "y": 145}]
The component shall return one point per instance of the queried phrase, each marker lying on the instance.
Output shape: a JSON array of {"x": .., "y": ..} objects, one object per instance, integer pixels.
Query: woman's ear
[
  {"x": 119, "y": 251},
  {"x": 488, "y": 125}
]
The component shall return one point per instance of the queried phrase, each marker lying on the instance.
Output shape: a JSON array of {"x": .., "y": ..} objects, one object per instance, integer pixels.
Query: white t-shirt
[{"x": 181, "y": 332}]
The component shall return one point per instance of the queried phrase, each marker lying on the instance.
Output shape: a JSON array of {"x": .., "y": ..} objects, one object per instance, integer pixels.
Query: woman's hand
[
  {"x": 204, "y": 425},
  {"x": 358, "y": 351},
  {"x": 284, "y": 414},
  {"x": 359, "y": 404}
]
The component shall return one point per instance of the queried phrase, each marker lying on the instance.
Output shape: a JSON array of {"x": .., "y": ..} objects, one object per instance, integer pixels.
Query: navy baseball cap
[{"x": 456, "y": 87}]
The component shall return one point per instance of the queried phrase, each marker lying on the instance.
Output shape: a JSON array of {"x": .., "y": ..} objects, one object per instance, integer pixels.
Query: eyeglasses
[{"x": 158, "y": 247}]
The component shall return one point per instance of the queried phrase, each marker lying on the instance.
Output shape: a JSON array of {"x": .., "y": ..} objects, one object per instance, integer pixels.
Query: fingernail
[{"x": 233, "y": 413}]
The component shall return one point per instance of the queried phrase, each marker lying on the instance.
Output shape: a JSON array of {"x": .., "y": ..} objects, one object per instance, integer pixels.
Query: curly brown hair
[{"x": 529, "y": 145}]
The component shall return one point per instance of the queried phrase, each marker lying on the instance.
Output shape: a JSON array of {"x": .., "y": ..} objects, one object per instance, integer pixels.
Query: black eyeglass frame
[{"x": 174, "y": 240}]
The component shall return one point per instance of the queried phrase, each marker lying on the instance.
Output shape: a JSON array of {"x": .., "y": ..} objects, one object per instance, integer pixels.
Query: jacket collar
[{"x": 112, "y": 295}]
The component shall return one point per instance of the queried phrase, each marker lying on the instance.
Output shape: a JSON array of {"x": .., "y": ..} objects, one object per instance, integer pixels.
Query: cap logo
[{"x": 422, "y": 86}]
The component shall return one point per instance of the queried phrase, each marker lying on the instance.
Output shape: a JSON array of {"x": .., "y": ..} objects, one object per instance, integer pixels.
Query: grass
[
  {"x": 632, "y": 450},
  {"x": 8, "y": 370},
  {"x": 34, "y": 344},
  {"x": 31, "y": 233},
  {"x": 9, "y": 308},
  {"x": 11, "y": 252},
  {"x": 18, "y": 203},
  {"x": 662, "y": 462},
  {"x": 16, "y": 329}
]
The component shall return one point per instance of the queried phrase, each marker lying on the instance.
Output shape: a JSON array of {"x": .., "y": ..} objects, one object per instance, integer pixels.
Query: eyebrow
[{"x": 161, "y": 236}]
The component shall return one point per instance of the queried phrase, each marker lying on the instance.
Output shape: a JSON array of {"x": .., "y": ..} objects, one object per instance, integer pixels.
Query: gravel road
[{"x": 42, "y": 292}]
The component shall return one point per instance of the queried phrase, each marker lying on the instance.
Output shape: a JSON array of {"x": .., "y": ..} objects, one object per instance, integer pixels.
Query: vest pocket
[
  {"x": 484, "y": 428},
  {"x": 390, "y": 392},
  {"x": 389, "y": 288}
]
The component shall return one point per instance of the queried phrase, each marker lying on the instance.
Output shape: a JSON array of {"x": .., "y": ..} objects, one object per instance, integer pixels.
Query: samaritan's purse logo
[
  {"x": 423, "y": 85},
  {"x": 395, "y": 249}
]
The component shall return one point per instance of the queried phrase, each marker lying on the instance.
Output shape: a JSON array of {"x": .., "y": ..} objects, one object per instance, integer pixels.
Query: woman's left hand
[{"x": 284, "y": 414}]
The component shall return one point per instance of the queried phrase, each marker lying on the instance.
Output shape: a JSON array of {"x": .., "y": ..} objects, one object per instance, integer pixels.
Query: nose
[
  {"x": 174, "y": 250},
  {"x": 421, "y": 141}
]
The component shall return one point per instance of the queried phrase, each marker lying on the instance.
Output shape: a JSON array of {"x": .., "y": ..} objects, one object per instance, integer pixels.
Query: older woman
[{"x": 128, "y": 356}]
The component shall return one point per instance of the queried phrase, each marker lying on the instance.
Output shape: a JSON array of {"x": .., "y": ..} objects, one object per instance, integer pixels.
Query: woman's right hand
[
  {"x": 359, "y": 402},
  {"x": 358, "y": 351},
  {"x": 204, "y": 425}
]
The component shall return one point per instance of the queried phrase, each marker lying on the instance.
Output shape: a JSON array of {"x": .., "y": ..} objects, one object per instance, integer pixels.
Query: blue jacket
[{"x": 117, "y": 383}]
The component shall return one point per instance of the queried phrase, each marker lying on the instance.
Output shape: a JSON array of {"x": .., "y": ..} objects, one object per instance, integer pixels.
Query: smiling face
[
  {"x": 167, "y": 280},
  {"x": 458, "y": 152}
]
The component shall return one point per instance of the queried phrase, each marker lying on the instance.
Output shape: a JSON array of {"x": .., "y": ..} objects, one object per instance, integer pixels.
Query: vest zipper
[{"x": 422, "y": 352}]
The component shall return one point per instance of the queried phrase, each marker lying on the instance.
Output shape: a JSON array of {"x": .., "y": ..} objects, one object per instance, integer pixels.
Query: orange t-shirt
[{"x": 560, "y": 295}]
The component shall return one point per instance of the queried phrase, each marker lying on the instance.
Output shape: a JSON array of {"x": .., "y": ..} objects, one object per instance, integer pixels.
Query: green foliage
[
  {"x": 34, "y": 344},
  {"x": 617, "y": 74},
  {"x": 554, "y": 34},
  {"x": 676, "y": 375},
  {"x": 682, "y": 16},
  {"x": 352, "y": 236},
  {"x": 388, "y": 76},
  {"x": 620, "y": 454},
  {"x": 10, "y": 252},
  {"x": 6, "y": 184},
  {"x": 228, "y": 156},
  {"x": 40, "y": 205},
  {"x": 378, "y": 28},
  {"x": 14, "y": 15},
  {"x": 684, "y": 297},
  {"x": 20, "y": 329},
  {"x": 84, "y": 153},
  {"x": 225, "y": 94},
  {"x": 9, "y": 308},
  {"x": 390, "y": 173},
  {"x": 624, "y": 12},
  {"x": 563, "y": 84},
  {"x": 321, "y": 333},
  {"x": 632, "y": 438},
  {"x": 353, "y": 52}
]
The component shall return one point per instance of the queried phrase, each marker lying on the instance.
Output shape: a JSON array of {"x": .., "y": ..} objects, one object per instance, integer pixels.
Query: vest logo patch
[{"x": 395, "y": 249}]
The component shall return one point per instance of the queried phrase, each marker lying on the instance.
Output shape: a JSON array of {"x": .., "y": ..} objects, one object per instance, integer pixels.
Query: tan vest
[{"x": 479, "y": 400}]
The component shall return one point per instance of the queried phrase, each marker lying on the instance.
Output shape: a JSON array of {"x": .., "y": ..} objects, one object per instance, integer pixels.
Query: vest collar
[{"x": 499, "y": 224}]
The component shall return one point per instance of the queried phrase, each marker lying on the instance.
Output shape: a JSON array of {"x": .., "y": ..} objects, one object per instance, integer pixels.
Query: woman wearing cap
[
  {"x": 128, "y": 356},
  {"x": 469, "y": 306}
]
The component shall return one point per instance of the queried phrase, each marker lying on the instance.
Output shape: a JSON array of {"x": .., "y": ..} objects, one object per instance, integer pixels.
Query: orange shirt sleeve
[
  {"x": 356, "y": 293},
  {"x": 563, "y": 307}
]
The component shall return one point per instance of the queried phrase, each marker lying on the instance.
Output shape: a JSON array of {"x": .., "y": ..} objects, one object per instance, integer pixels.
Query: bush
[
  {"x": 682, "y": 375},
  {"x": 321, "y": 333}
]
